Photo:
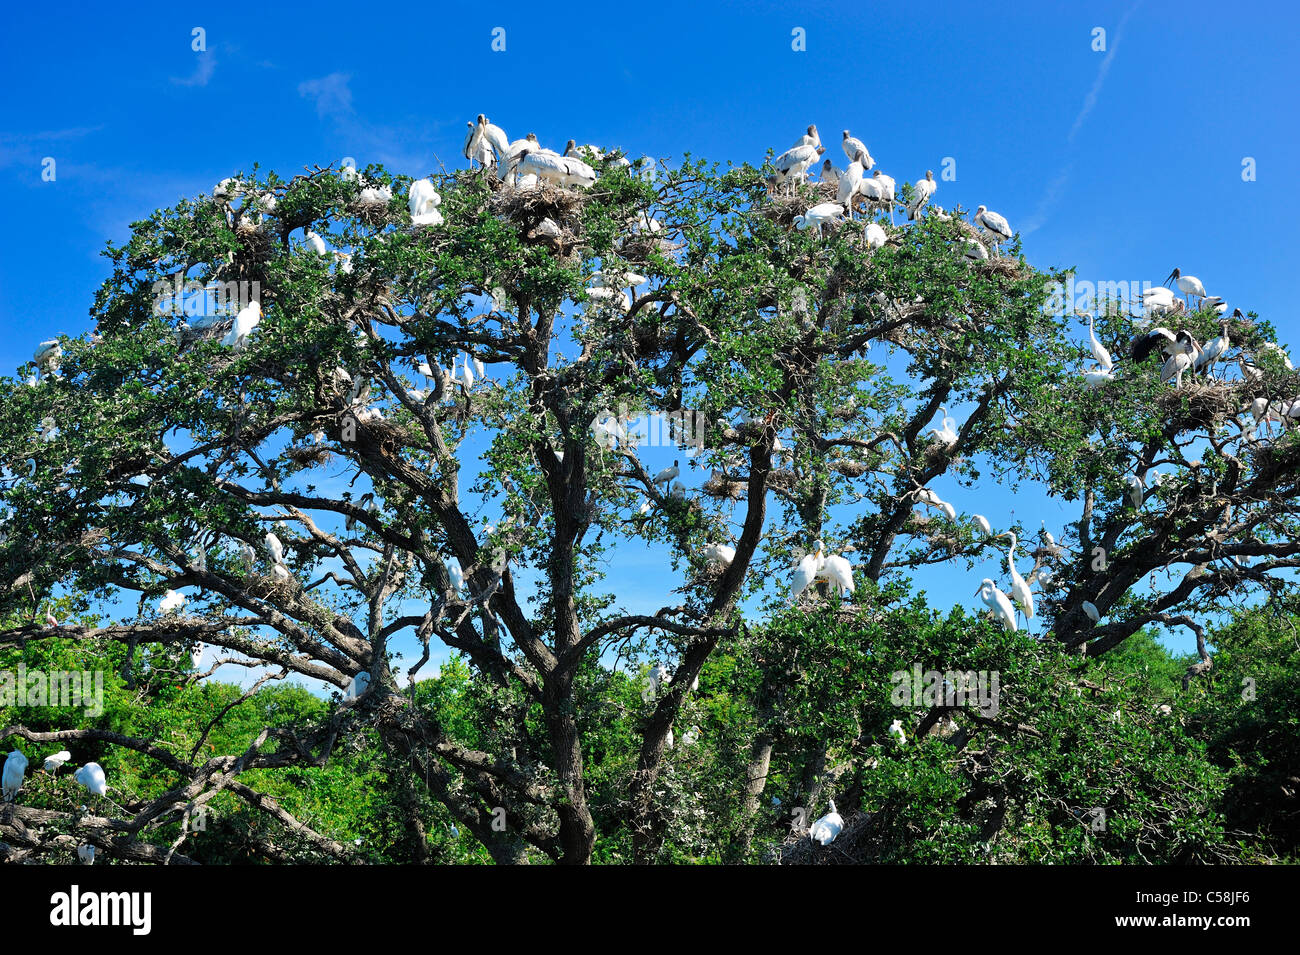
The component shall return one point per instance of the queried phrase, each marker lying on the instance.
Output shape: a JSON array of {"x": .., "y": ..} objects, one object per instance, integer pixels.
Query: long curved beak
[{"x": 1170, "y": 278}]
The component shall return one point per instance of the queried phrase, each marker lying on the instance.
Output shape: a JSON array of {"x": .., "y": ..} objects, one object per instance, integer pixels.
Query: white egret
[
  {"x": 171, "y": 602},
  {"x": 456, "y": 574},
  {"x": 983, "y": 524},
  {"x": 948, "y": 433},
  {"x": 1136, "y": 489},
  {"x": 92, "y": 777},
  {"x": 247, "y": 556},
  {"x": 896, "y": 732},
  {"x": 280, "y": 572},
  {"x": 1019, "y": 589},
  {"x": 838, "y": 571},
  {"x": 1092, "y": 612},
  {"x": 1099, "y": 351},
  {"x": 357, "y": 686},
  {"x": 827, "y": 828},
  {"x": 719, "y": 555},
  {"x": 818, "y": 215},
  {"x": 317, "y": 243},
  {"x": 658, "y": 677},
  {"x": 997, "y": 602},
  {"x": 53, "y": 762},
  {"x": 1096, "y": 377},
  {"x": 274, "y": 548},
  {"x": 874, "y": 235},
  {"x": 12, "y": 779},
  {"x": 248, "y": 318},
  {"x": 806, "y": 571}
]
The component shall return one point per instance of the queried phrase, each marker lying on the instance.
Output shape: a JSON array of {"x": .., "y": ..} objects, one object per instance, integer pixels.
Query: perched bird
[
  {"x": 818, "y": 216},
  {"x": 838, "y": 572},
  {"x": 830, "y": 174},
  {"x": 806, "y": 571},
  {"x": 948, "y": 433},
  {"x": 719, "y": 555},
  {"x": 1096, "y": 377},
  {"x": 810, "y": 138},
  {"x": 423, "y": 201},
  {"x": 274, "y": 548},
  {"x": 1091, "y": 610},
  {"x": 887, "y": 185},
  {"x": 874, "y": 235},
  {"x": 896, "y": 732},
  {"x": 248, "y": 318},
  {"x": 997, "y": 602},
  {"x": 247, "y": 556},
  {"x": 456, "y": 574},
  {"x": 1157, "y": 340},
  {"x": 92, "y": 777},
  {"x": 921, "y": 194},
  {"x": 1099, "y": 351},
  {"x": 993, "y": 223},
  {"x": 1019, "y": 589},
  {"x": 792, "y": 165},
  {"x": 1136, "y": 489},
  {"x": 1213, "y": 351},
  {"x": 172, "y": 601},
  {"x": 666, "y": 475},
  {"x": 983, "y": 524},
  {"x": 357, "y": 686},
  {"x": 1187, "y": 284},
  {"x": 852, "y": 146},
  {"x": 12, "y": 779},
  {"x": 849, "y": 182},
  {"x": 53, "y": 762},
  {"x": 86, "y": 854},
  {"x": 825, "y": 830},
  {"x": 317, "y": 243}
]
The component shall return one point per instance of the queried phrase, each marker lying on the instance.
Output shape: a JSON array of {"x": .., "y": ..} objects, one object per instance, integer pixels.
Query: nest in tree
[
  {"x": 783, "y": 479},
  {"x": 723, "y": 487},
  {"x": 308, "y": 455},
  {"x": 373, "y": 212},
  {"x": 1208, "y": 401},
  {"x": 849, "y": 468},
  {"x": 918, "y": 524},
  {"x": 1003, "y": 266}
]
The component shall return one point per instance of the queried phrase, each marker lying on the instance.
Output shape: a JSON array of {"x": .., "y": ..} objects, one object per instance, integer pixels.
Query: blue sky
[{"x": 1123, "y": 163}]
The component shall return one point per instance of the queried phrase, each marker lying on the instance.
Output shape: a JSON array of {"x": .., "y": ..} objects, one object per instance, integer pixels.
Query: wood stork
[
  {"x": 473, "y": 141},
  {"x": 974, "y": 250},
  {"x": 997, "y": 602},
  {"x": 874, "y": 235},
  {"x": 849, "y": 182},
  {"x": 667, "y": 474},
  {"x": 548, "y": 166},
  {"x": 1099, "y": 351},
  {"x": 86, "y": 854},
  {"x": 248, "y": 318},
  {"x": 852, "y": 146},
  {"x": 896, "y": 732},
  {"x": 806, "y": 571},
  {"x": 1278, "y": 350},
  {"x": 1213, "y": 351},
  {"x": 983, "y": 524},
  {"x": 826, "y": 829},
  {"x": 495, "y": 137},
  {"x": 1156, "y": 340},
  {"x": 280, "y": 572},
  {"x": 1019, "y": 589},
  {"x": 819, "y": 215},
  {"x": 1090, "y": 609},
  {"x": 247, "y": 556},
  {"x": 274, "y": 548},
  {"x": 830, "y": 174},
  {"x": 810, "y": 138},
  {"x": 887, "y": 185},
  {"x": 12, "y": 778},
  {"x": 172, "y": 601},
  {"x": 54, "y": 761},
  {"x": 792, "y": 165},
  {"x": 1187, "y": 284},
  {"x": 921, "y": 194},
  {"x": 1179, "y": 361},
  {"x": 92, "y": 777},
  {"x": 993, "y": 223},
  {"x": 677, "y": 491}
]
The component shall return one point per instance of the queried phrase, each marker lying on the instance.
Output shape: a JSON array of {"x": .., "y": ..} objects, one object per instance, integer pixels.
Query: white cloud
[
  {"x": 207, "y": 65},
  {"x": 332, "y": 93}
]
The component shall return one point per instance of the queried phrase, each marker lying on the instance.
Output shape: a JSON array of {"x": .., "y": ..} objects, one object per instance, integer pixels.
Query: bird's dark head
[{"x": 482, "y": 120}]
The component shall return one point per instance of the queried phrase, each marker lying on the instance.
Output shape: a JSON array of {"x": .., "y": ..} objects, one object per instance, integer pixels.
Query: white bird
[
  {"x": 997, "y": 602},
  {"x": 247, "y": 556},
  {"x": 86, "y": 854},
  {"x": 473, "y": 140},
  {"x": 983, "y": 524},
  {"x": 495, "y": 137},
  {"x": 92, "y": 777},
  {"x": 280, "y": 572},
  {"x": 887, "y": 185},
  {"x": 456, "y": 574},
  {"x": 1091, "y": 610},
  {"x": 1175, "y": 366},
  {"x": 792, "y": 165},
  {"x": 274, "y": 548},
  {"x": 827, "y": 828},
  {"x": 1098, "y": 349},
  {"x": 1019, "y": 589},
  {"x": 691, "y": 736},
  {"x": 52, "y": 763},
  {"x": 974, "y": 250},
  {"x": 809, "y": 566},
  {"x": 12, "y": 779},
  {"x": 196, "y": 655},
  {"x": 467, "y": 375},
  {"x": 658, "y": 677},
  {"x": 1213, "y": 351},
  {"x": 1136, "y": 489},
  {"x": 852, "y": 146},
  {"x": 357, "y": 686},
  {"x": 994, "y": 223},
  {"x": 838, "y": 571},
  {"x": 929, "y": 498},
  {"x": 874, "y": 235},
  {"x": 1096, "y": 377},
  {"x": 896, "y": 732},
  {"x": 921, "y": 194},
  {"x": 819, "y": 215},
  {"x": 678, "y": 490},
  {"x": 171, "y": 601},
  {"x": 948, "y": 433},
  {"x": 1187, "y": 284},
  {"x": 666, "y": 475},
  {"x": 810, "y": 138},
  {"x": 248, "y": 318},
  {"x": 1281, "y": 353},
  {"x": 317, "y": 243},
  {"x": 423, "y": 201},
  {"x": 849, "y": 182},
  {"x": 48, "y": 355},
  {"x": 719, "y": 555}
]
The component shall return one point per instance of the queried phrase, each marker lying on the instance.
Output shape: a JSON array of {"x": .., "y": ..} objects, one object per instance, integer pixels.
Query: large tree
[{"x": 808, "y": 364}]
